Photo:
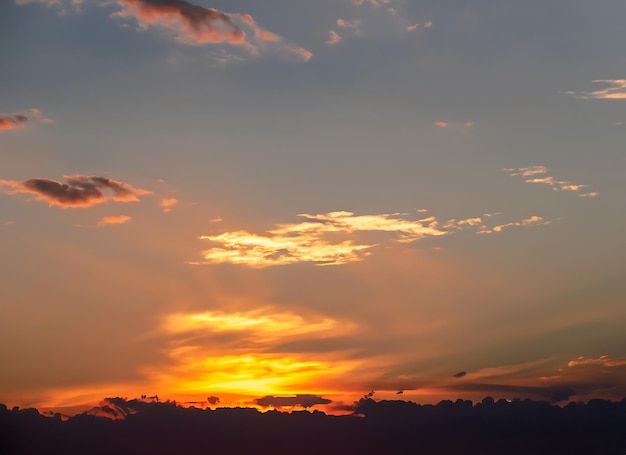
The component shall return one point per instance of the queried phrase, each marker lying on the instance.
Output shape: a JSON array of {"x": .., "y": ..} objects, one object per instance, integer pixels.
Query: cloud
[
  {"x": 616, "y": 90},
  {"x": 80, "y": 191},
  {"x": 118, "y": 219},
  {"x": 460, "y": 374},
  {"x": 604, "y": 361},
  {"x": 262, "y": 324},
  {"x": 456, "y": 126},
  {"x": 13, "y": 121},
  {"x": 111, "y": 408},
  {"x": 591, "y": 194},
  {"x": 167, "y": 204},
  {"x": 194, "y": 24},
  {"x": 557, "y": 185},
  {"x": 198, "y": 25},
  {"x": 333, "y": 38},
  {"x": 325, "y": 239},
  {"x": 353, "y": 24},
  {"x": 213, "y": 400},
  {"x": 532, "y": 221},
  {"x": 306, "y": 401}
]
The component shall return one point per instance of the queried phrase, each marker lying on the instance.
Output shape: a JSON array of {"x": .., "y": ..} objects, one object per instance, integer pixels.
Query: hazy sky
[{"x": 244, "y": 199}]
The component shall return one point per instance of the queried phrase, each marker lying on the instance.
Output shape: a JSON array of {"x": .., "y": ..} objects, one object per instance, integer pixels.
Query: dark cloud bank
[{"x": 384, "y": 427}]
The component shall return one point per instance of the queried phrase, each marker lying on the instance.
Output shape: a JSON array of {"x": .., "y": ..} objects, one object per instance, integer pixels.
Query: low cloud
[
  {"x": 615, "y": 90},
  {"x": 460, "y": 374},
  {"x": 603, "y": 361},
  {"x": 117, "y": 219},
  {"x": 79, "y": 191},
  {"x": 324, "y": 239},
  {"x": 306, "y": 401},
  {"x": 539, "y": 174}
]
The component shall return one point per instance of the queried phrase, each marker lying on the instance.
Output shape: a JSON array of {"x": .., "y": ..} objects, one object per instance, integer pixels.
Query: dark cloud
[
  {"x": 213, "y": 400},
  {"x": 12, "y": 121},
  {"x": 460, "y": 374},
  {"x": 195, "y": 24},
  {"x": 305, "y": 401},
  {"x": 554, "y": 393},
  {"x": 79, "y": 191}
]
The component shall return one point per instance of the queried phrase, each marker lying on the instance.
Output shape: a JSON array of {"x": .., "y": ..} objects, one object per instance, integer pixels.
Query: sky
[{"x": 287, "y": 203}]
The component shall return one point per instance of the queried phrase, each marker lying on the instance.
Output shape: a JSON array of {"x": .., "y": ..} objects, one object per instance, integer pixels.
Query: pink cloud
[{"x": 194, "y": 24}]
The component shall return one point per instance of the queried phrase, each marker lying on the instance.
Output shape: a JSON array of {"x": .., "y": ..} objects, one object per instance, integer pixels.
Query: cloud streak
[
  {"x": 615, "y": 90},
  {"x": 539, "y": 174},
  {"x": 325, "y": 239},
  {"x": 79, "y": 191},
  {"x": 116, "y": 219}
]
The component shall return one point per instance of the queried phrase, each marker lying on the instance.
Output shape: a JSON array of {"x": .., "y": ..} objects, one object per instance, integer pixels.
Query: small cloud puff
[{"x": 167, "y": 204}]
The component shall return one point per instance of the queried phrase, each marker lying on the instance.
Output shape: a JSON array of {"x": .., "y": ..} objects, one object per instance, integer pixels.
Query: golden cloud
[
  {"x": 116, "y": 219},
  {"x": 325, "y": 239},
  {"x": 557, "y": 185}
]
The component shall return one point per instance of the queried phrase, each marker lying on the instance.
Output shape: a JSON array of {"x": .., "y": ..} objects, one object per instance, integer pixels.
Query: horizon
[{"x": 225, "y": 199}]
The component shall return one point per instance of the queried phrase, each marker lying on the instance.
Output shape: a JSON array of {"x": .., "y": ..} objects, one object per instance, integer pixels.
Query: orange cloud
[
  {"x": 80, "y": 191},
  {"x": 459, "y": 126},
  {"x": 194, "y": 24},
  {"x": 199, "y": 25},
  {"x": 326, "y": 239},
  {"x": 167, "y": 204},
  {"x": 12, "y": 121},
  {"x": 108, "y": 220}
]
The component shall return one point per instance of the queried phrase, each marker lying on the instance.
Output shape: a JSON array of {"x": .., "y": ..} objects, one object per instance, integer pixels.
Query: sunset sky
[{"x": 257, "y": 200}]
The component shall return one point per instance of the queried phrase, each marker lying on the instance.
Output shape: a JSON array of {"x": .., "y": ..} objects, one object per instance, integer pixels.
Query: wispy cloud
[
  {"x": 325, "y": 239},
  {"x": 115, "y": 219},
  {"x": 333, "y": 38},
  {"x": 615, "y": 90},
  {"x": 167, "y": 204},
  {"x": 79, "y": 191},
  {"x": 455, "y": 126},
  {"x": 531, "y": 221},
  {"x": 13, "y": 121},
  {"x": 539, "y": 174},
  {"x": 603, "y": 361}
]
